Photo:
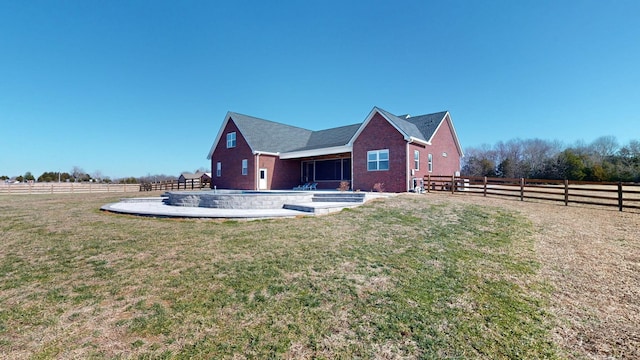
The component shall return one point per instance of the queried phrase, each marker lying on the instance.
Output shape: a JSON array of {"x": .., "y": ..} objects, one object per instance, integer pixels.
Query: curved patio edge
[{"x": 155, "y": 207}]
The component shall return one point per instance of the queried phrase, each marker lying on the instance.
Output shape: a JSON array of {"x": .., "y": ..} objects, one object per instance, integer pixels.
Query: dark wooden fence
[
  {"x": 611, "y": 194},
  {"x": 191, "y": 184}
]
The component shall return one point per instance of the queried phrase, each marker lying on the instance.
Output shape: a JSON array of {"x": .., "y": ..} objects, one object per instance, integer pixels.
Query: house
[
  {"x": 199, "y": 178},
  {"x": 256, "y": 154}
]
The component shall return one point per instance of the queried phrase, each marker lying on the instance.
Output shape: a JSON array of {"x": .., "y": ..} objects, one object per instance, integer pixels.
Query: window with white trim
[
  {"x": 378, "y": 160},
  {"x": 245, "y": 166},
  {"x": 430, "y": 163},
  {"x": 416, "y": 159},
  {"x": 219, "y": 169},
  {"x": 231, "y": 140}
]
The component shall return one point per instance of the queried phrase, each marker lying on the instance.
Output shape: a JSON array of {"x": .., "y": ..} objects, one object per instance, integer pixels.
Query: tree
[
  {"x": 51, "y": 176},
  {"x": 97, "y": 176},
  {"x": 571, "y": 165},
  {"x": 603, "y": 147},
  {"x": 78, "y": 173},
  {"x": 28, "y": 176}
]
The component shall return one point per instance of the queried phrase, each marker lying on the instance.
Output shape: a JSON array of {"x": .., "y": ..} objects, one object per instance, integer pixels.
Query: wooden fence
[
  {"x": 611, "y": 194},
  {"x": 191, "y": 184},
  {"x": 65, "y": 188}
]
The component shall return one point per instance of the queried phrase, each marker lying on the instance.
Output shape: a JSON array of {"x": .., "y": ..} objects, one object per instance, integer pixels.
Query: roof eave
[
  {"x": 220, "y": 132},
  {"x": 316, "y": 152},
  {"x": 453, "y": 130},
  {"x": 412, "y": 139},
  {"x": 257, "y": 152}
]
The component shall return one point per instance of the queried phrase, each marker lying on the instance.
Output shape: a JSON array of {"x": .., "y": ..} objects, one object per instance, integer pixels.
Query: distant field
[
  {"x": 65, "y": 188},
  {"x": 414, "y": 276}
]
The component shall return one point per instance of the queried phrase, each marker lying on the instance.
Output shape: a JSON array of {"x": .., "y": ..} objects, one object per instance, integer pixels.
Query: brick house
[{"x": 256, "y": 154}]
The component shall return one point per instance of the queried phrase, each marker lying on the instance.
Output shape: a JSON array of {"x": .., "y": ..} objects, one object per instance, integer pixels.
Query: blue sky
[{"x": 131, "y": 88}]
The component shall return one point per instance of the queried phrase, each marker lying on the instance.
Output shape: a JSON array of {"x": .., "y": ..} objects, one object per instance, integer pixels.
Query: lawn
[{"x": 395, "y": 278}]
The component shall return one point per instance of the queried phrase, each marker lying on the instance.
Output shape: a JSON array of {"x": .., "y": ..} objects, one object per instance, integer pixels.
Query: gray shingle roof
[
  {"x": 269, "y": 136},
  {"x": 420, "y": 127},
  {"x": 330, "y": 137}
]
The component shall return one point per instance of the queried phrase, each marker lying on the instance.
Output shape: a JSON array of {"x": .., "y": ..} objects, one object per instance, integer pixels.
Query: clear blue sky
[{"x": 131, "y": 88}]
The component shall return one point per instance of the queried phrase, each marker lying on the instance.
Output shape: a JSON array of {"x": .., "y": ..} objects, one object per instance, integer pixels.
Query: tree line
[
  {"x": 601, "y": 160},
  {"x": 77, "y": 174}
]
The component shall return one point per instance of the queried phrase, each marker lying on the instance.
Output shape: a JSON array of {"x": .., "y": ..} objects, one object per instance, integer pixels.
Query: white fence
[{"x": 66, "y": 188}]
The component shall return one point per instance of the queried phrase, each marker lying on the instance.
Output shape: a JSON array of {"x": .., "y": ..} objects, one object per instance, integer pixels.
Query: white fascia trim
[
  {"x": 266, "y": 153},
  {"x": 419, "y": 141},
  {"x": 316, "y": 152},
  {"x": 215, "y": 143},
  {"x": 368, "y": 119}
]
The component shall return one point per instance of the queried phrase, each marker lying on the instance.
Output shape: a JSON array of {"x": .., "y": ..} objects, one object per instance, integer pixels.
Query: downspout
[
  {"x": 352, "y": 173},
  {"x": 408, "y": 172},
  {"x": 257, "y": 173}
]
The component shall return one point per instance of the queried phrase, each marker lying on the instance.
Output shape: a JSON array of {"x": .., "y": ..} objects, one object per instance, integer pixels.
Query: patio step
[{"x": 339, "y": 197}]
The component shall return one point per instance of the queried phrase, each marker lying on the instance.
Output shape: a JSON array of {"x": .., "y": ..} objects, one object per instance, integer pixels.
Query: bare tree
[
  {"x": 97, "y": 176},
  {"x": 77, "y": 173},
  {"x": 603, "y": 147}
]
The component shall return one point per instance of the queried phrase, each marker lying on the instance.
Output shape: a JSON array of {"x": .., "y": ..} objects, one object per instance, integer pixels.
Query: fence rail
[
  {"x": 65, "y": 188},
  {"x": 611, "y": 194},
  {"x": 191, "y": 184}
]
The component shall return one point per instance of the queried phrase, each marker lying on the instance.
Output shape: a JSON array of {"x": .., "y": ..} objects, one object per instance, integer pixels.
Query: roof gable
[
  {"x": 264, "y": 135},
  {"x": 271, "y": 137},
  {"x": 421, "y": 128}
]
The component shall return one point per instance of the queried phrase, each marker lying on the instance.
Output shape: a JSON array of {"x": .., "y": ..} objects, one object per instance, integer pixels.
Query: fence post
[
  {"x": 453, "y": 183},
  {"x": 485, "y": 186},
  {"x": 620, "y": 195},
  {"x": 566, "y": 192},
  {"x": 521, "y": 189},
  {"x": 429, "y": 183}
]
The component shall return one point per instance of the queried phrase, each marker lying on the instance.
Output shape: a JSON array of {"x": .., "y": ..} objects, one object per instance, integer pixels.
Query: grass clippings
[{"x": 414, "y": 276}]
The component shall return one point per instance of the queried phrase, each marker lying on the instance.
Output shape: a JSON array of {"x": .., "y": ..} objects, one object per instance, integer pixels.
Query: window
[
  {"x": 326, "y": 170},
  {"x": 245, "y": 166},
  {"x": 430, "y": 163},
  {"x": 378, "y": 160},
  {"x": 416, "y": 159},
  {"x": 231, "y": 140},
  {"x": 219, "y": 169}
]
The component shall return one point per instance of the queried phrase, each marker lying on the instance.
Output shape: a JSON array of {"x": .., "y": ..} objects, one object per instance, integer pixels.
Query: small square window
[
  {"x": 378, "y": 160},
  {"x": 231, "y": 140}
]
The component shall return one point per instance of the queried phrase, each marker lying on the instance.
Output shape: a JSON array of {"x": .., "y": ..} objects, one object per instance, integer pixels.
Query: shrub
[
  {"x": 344, "y": 186},
  {"x": 378, "y": 187}
]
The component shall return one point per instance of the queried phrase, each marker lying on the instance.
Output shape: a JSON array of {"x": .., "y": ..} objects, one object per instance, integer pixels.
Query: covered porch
[{"x": 326, "y": 171}]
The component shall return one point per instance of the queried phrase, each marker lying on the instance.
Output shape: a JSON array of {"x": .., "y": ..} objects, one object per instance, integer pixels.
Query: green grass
[{"x": 399, "y": 278}]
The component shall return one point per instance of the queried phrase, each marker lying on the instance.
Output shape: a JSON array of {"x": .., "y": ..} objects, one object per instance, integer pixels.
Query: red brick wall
[
  {"x": 423, "y": 169},
  {"x": 286, "y": 174},
  {"x": 231, "y": 159},
  {"x": 443, "y": 142},
  {"x": 281, "y": 174},
  {"x": 378, "y": 135}
]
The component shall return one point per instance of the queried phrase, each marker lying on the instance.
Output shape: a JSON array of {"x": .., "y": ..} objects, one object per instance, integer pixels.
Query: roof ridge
[{"x": 269, "y": 121}]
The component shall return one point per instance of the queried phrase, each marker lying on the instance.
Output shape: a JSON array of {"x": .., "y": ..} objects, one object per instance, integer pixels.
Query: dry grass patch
[
  {"x": 407, "y": 277},
  {"x": 590, "y": 257}
]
